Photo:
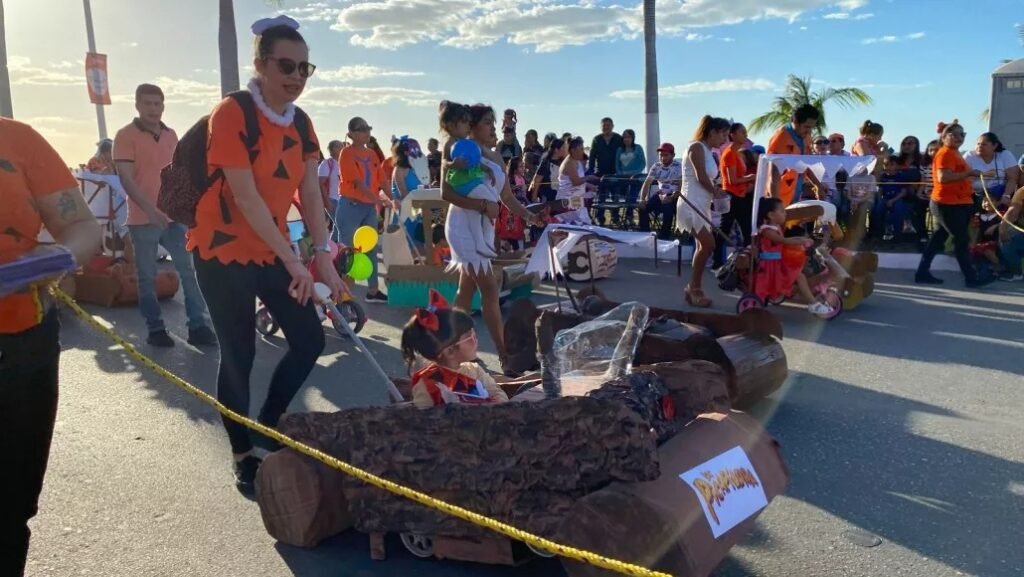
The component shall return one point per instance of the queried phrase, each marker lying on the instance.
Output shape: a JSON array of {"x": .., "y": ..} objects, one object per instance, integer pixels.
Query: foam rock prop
[
  {"x": 695, "y": 387},
  {"x": 718, "y": 475},
  {"x": 516, "y": 461}
]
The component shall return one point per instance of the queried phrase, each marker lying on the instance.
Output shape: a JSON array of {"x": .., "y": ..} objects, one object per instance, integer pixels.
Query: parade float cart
[
  {"x": 109, "y": 278},
  {"x": 654, "y": 450},
  {"x": 414, "y": 265},
  {"x": 583, "y": 253},
  {"x": 858, "y": 283}
]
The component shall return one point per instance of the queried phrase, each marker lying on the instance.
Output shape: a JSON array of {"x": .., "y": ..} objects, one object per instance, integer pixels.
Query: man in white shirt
[
  {"x": 329, "y": 177},
  {"x": 668, "y": 173}
]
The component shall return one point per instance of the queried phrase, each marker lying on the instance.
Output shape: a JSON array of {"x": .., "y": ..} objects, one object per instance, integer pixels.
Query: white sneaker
[{"x": 820, "y": 308}]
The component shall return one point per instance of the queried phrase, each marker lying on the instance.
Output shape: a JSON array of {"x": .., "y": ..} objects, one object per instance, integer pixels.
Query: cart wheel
[
  {"x": 265, "y": 323},
  {"x": 853, "y": 296},
  {"x": 419, "y": 545},
  {"x": 777, "y": 300},
  {"x": 834, "y": 300},
  {"x": 354, "y": 315},
  {"x": 540, "y": 552},
  {"x": 748, "y": 302}
]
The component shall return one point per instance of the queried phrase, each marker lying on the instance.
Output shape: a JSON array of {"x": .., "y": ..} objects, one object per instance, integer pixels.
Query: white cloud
[
  {"x": 130, "y": 44},
  {"x": 837, "y": 16},
  {"x": 180, "y": 91},
  {"x": 361, "y": 72},
  {"x": 695, "y": 37},
  {"x": 702, "y": 87},
  {"x": 889, "y": 39},
  {"x": 65, "y": 64},
  {"x": 547, "y": 25},
  {"x": 728, "y": 39},
  {"x": 314, "y": 12},
  {"x": 23, "y": 73},
  {"x": 864, "y": 16}
]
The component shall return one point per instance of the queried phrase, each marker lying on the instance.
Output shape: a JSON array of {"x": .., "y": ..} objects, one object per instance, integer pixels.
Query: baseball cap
[
  {"x": 667, "y": 147},
  {"x": 757, "y": 149}
]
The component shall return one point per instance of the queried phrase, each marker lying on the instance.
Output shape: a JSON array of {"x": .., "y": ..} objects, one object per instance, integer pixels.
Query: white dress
[
  {"x": 566, "y": 190},
  {"x": 686, "y": 219},
  {"x": 459, "y": 226}
]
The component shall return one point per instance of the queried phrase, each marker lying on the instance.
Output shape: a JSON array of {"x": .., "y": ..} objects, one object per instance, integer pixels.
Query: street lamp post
[
  {"x": 101, "y": 117},
  {"x": 6, "y": 104}
]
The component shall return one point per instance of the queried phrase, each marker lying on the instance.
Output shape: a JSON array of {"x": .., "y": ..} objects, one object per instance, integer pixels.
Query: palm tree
[
  {"x": 228, "y": 40},
  {"x": 6, "y": 105},
  {"x": 651, "y": 122},
  {"x": 797, "y": 93}
]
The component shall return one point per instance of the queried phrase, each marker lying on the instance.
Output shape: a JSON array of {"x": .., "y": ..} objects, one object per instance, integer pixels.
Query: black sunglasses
[{"x": 287, "y": 66}]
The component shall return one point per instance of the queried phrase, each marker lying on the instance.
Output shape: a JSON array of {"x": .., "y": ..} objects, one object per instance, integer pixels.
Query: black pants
[
  {"x": 28, "y": 407},
  {"x": 740, "y": 211},
  {"x": 954, "y": 220},
  {"x": 667, "y": 210},
  {"x": 231, "y": 292}
]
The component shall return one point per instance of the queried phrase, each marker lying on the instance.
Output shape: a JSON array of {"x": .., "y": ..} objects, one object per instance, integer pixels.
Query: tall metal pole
[
  {"x": 101, "y": 117},
  {"x": 651, "y": 120},
  {"x": 6, "y": 104}
]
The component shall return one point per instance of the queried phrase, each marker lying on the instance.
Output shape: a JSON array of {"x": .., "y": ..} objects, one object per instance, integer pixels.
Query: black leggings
[
  {"x": 740, "y": 211},
  {"x": 28, "y": 408},
  {"x": 954, "y": 220},
  {"x": 230, "y": 292}
]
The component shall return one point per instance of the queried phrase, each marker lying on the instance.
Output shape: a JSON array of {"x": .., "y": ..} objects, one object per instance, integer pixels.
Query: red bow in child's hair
[{"x": 427, "y": 317}]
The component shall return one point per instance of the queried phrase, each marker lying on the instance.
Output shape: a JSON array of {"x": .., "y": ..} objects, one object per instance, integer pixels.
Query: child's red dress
[{"x": 778, "y": 266}]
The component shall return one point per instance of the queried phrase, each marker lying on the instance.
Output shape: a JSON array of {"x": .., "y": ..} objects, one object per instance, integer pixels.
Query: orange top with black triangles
[
  {"x": 29, "y": 169},
  {"x": 221, "y": 231}
]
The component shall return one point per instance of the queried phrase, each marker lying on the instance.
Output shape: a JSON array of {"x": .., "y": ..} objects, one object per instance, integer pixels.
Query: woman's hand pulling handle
[
  {"x": 301, "y": 287},
  {"x": 328, "y": 275}
]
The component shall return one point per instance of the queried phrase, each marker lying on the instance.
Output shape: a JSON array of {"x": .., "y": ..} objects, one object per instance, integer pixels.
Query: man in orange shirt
[
  {"x": 141, "y": 150},
  {"x": 360, "y": 194},
  {"x": 792, "y": 139},
  {"x": 36, "y": 190}
]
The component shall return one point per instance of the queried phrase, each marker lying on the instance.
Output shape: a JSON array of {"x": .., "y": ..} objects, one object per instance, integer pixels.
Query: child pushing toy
[{"x": 446, "y": 337}]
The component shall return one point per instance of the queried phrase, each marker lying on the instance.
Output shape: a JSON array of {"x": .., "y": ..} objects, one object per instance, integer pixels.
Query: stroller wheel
[
  {"x": 834, "y": 300},
  {"x": 777, "y": 300},
  {"x": 265, "y": 323},
  {"x": 748, "y": 302},
  {"x": 354, "y": 315}
]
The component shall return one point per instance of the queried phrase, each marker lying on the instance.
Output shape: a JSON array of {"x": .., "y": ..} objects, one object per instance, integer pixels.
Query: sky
[{"x": 562, "y": 64}]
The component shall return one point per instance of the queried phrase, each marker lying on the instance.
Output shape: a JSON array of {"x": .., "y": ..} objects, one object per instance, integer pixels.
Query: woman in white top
[
  {"x": 572, "y": 184},
  {"x": 997, "y": 165},
  {"x": 693, "y": 210}
]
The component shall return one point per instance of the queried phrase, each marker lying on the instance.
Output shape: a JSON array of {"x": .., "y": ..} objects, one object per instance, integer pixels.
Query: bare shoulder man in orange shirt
[
  {"x": 141, "y": 150},
  {"x": 792, "y": 139},
  {"x": 36, "y": 190}
]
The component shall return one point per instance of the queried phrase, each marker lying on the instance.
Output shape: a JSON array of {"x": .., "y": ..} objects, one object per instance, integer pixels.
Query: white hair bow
[{"x": 263, "y": 24}]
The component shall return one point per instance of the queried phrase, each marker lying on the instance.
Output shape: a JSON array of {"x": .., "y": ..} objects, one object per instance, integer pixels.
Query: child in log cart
[
  {"x": 447, "y": 339},
  {"x": 781, "y": 259}
]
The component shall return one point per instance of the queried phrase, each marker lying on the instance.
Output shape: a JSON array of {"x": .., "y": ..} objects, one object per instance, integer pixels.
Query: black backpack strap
[
  {"x": 251, "y": 138},
  {"x": 302, "y": 126}
]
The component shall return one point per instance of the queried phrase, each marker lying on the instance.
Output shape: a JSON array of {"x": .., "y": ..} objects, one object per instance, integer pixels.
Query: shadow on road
[{"x": 927, "y": 495}]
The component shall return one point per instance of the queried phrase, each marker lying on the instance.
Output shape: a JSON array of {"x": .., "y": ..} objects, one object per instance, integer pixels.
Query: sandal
[{"x": 695, "y": 298}]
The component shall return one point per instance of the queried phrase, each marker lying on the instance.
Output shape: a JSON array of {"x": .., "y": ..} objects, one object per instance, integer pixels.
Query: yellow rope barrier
[{"x": 365, "y": 476}]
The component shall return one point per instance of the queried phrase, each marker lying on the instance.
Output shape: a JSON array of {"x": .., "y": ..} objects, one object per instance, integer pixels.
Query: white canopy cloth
[
  {"x": 823, "y": 167},
  {"x": 540, "y": 263}
]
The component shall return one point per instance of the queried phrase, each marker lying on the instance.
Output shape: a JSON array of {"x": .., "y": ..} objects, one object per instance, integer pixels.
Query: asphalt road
[{"x": 902, "y": 419}]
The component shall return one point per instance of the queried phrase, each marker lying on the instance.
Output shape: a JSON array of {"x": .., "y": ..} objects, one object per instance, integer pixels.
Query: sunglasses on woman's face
[{"x": 287, "y": 66}]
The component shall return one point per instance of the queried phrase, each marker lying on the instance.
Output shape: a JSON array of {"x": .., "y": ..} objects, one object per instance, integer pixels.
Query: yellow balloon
[{"x": 365, "y": 239}]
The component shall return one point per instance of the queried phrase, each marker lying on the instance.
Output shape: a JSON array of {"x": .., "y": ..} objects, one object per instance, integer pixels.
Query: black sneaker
[
  {"x": 264, "y": 442},
  {"x": 927, "y": 278},
  {"x": 378, "y": 297},
  {"x": 160, "y": 339},
  {"x": 981, "y": 282},
  {"x": 202, "y": 337},
  {"x": 245, "y": 475}
]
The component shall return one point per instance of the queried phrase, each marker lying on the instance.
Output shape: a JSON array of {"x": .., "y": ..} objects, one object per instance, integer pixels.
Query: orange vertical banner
[{"x": 96, "y": 78}]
